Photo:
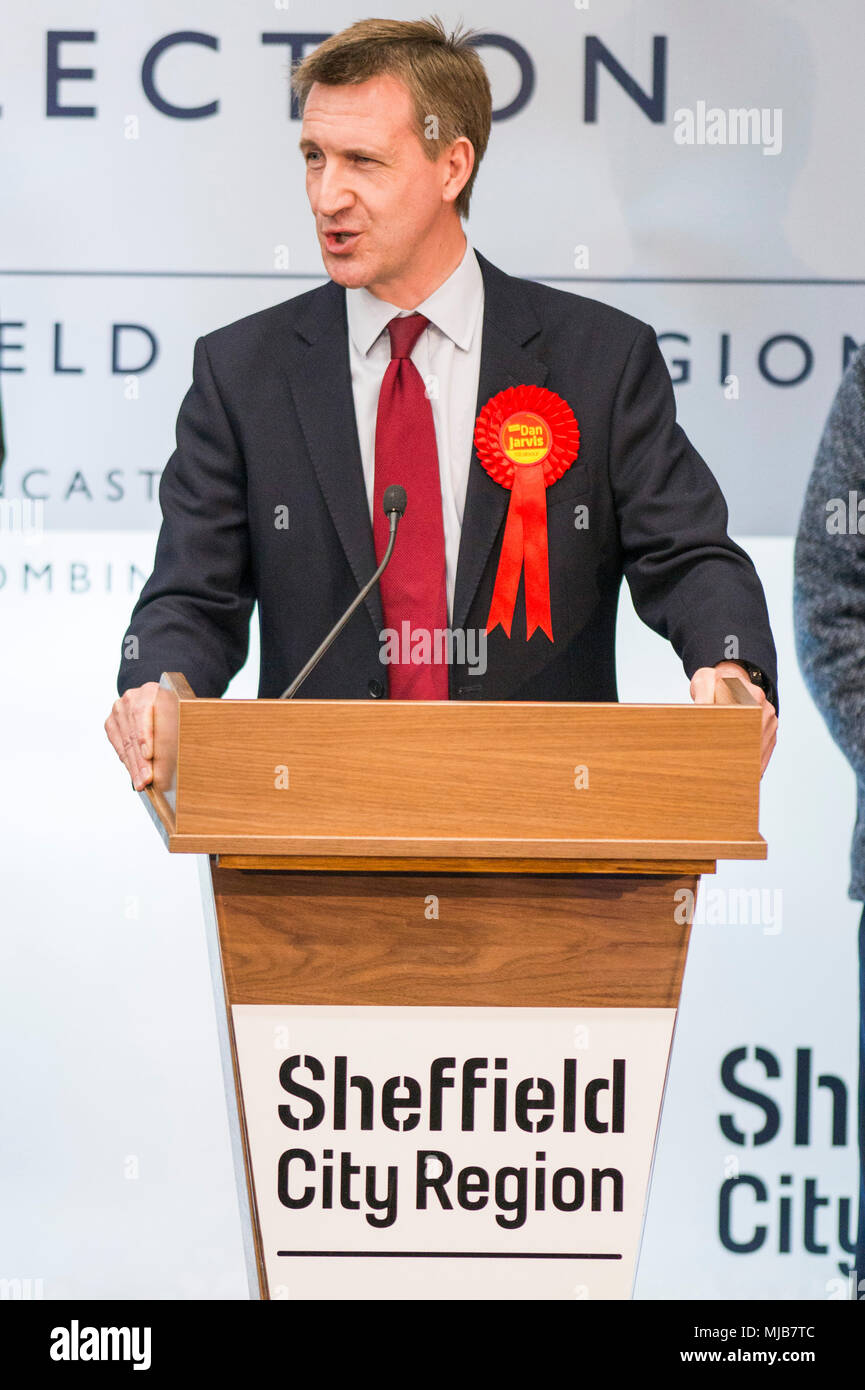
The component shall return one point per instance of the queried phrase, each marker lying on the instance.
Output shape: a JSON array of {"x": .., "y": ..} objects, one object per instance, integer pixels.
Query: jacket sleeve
[
  {"x": 689, "y": 581},
  {"x": 193, "y": 613},
  {"x": 829, "y": 571}
]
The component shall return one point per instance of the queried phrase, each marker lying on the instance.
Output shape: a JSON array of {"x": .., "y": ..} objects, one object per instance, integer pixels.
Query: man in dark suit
[{"x": 299, "y": 415}]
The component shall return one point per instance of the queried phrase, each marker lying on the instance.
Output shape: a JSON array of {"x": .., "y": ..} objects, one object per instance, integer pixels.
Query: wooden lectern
[{"x": 448, "y": 942}]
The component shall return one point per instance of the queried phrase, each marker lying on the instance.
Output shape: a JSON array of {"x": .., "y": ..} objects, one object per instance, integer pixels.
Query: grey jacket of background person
[{"x": 829, "y": 588}]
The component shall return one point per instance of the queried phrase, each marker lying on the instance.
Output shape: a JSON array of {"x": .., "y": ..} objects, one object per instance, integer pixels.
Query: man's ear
[{"x": 460, "y": 163}]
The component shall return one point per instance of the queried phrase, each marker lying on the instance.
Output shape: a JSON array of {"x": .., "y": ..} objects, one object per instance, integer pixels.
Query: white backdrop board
[{"x": 130, "y": 227}]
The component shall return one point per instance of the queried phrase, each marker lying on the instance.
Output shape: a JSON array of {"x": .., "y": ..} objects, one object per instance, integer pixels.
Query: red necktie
[{"x": 413, "y": 587}]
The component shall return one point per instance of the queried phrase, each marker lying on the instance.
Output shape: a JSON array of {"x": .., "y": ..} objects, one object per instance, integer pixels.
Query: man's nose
[{"x": 334, "y": 191}]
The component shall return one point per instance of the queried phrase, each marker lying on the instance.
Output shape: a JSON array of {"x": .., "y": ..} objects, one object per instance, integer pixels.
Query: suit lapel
[
  {"x": 320, "y": 381},
  {"x": 509, "y": 324}
]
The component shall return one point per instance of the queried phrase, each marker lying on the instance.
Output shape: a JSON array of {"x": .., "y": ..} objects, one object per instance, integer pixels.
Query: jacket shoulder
[
  {"x": 579, "y": 310},
  {"x": 265, "y": 325},
  {"x": 561, "y": 311}
]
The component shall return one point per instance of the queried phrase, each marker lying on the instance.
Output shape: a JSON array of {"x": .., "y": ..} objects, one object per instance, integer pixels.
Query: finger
[
  {"x": 703, "y": 686},
  {"x": 145, "y": 730},
  {"x": 129, "y": 746},
  {"x": 129, "y": 750},
  {"x": 118, "y": 734},
  {"x": 143, "y": 766},
  {"x": 141, "y": 722}
]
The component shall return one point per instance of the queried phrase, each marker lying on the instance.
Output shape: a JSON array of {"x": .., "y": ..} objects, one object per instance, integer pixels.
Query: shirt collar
[{"x": 453, "y": 307}]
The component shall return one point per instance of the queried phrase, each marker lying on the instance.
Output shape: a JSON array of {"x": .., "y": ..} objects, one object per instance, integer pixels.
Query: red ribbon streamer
[{"x": 524, "y": 544}]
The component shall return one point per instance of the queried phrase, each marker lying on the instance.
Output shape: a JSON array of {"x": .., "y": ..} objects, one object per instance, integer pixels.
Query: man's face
[{"x": 368, "y": 175}]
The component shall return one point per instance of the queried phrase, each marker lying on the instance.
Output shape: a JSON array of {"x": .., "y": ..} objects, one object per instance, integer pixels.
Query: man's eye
[{"x": 357, "y": 158}]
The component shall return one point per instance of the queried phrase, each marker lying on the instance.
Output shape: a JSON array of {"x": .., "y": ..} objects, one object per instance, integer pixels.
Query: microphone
[{"x": 394, "y": 504}]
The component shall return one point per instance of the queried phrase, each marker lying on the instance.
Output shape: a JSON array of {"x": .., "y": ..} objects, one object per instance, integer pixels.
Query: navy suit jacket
[{"x": 269, "y": 423}]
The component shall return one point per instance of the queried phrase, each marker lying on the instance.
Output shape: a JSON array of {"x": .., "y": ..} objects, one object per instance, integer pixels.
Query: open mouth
[{"x": 337, "y": 240}]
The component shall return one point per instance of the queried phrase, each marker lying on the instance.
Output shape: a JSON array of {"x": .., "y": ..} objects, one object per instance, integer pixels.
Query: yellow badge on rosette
[{"x": 526, "y": 437}]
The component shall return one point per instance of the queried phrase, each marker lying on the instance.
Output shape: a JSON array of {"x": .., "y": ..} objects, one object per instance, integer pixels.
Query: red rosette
[{"x": 526, "y": 437}]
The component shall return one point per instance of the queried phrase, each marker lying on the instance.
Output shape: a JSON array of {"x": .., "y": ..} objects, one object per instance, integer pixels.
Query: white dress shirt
[{"x": 448, "y": 356}]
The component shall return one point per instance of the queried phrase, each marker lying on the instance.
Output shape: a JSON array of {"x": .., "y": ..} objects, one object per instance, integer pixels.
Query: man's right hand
[{"x": 129, "y": 727}]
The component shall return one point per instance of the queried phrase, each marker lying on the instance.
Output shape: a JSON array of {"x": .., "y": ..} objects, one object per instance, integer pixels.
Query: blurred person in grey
[{"x": 829, "y": 613}]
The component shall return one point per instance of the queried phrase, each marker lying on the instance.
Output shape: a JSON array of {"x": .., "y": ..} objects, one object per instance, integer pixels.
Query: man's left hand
[{"x": 706, "y": 682}]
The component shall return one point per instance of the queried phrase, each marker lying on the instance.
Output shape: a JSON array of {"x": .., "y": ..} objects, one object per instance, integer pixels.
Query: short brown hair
[{"x": 443, "y": 73}]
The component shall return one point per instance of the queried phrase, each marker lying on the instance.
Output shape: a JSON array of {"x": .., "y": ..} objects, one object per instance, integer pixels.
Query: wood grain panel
[
  {"x": 401, "y": 864},
  {"x": 485, "y": 781},
  {"x": 468, "y": 846},
  {"x": 492, "y": 771},
  {"x": 508, "y": 940}
]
